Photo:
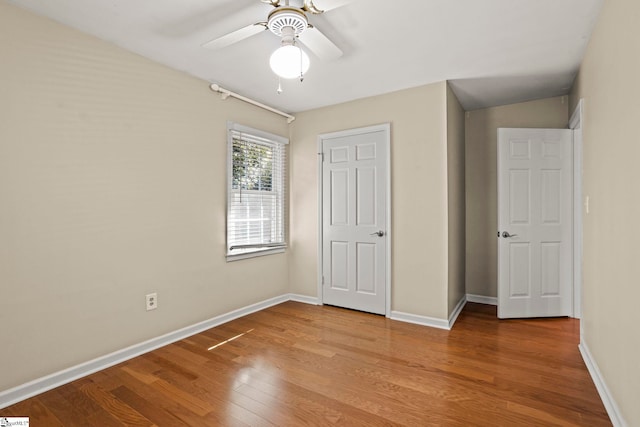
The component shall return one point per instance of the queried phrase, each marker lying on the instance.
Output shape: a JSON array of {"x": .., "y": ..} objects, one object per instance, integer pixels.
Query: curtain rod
[{"x": 224, "y": 94}]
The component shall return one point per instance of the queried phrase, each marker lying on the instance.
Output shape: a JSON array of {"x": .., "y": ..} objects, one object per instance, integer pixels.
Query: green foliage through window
[{"x": 252, "y": 166}]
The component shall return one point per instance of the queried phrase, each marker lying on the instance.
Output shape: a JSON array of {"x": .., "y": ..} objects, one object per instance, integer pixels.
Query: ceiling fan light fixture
[
  {"x": 287, "y": 17},
  {"x": 289, "y": 62}
]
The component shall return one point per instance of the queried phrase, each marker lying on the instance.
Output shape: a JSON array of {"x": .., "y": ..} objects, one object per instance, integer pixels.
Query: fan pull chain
[
  {"x": 301, "y": 74},
  {"x": 279, "y": 90}
]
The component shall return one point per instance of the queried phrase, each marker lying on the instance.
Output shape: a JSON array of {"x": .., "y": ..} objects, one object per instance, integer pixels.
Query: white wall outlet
[{"x": 152, "y": 301}]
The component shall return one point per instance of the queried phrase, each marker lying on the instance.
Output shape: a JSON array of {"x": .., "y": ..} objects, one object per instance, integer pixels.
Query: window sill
[{"x": 254, "y": 254}]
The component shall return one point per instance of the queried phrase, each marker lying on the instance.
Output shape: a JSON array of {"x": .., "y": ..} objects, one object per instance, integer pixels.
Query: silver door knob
[
  {"x": 379, "y": 233},
  {"x": 506, "y": 234}
]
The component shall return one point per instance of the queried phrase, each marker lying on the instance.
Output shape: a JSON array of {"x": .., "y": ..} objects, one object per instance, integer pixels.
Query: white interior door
[
  {"x": 355, "y": 232},
  {"x": 535, "y": 213}
]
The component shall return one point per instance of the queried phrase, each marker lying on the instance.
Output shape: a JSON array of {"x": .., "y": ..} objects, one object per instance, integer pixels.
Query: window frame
[{"x": 269, "y": 138}]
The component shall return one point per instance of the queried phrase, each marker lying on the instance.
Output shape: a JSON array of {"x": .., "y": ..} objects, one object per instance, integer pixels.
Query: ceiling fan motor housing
[{"x": 284, "y": 17}]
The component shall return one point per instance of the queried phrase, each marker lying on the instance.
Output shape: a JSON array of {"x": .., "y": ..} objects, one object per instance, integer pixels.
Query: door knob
[
  {"x": 506, "y": 234},
  {"x": 379, "y": 233}
]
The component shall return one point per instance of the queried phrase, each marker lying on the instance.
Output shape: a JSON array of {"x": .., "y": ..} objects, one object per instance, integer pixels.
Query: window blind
[{"x": 256, "y": 191}]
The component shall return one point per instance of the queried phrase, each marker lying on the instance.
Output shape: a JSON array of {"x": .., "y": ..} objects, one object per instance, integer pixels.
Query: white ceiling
[{"x": 494, "y": 52}]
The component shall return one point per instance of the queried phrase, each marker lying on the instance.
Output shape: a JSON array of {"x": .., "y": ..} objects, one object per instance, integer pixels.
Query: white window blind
[{"x": 256, "y": 196}]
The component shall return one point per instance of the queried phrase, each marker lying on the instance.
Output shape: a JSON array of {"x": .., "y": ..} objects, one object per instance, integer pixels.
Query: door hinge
[
  {"x": 321, "y": 154},
  {"x": 323, "y": 280}
]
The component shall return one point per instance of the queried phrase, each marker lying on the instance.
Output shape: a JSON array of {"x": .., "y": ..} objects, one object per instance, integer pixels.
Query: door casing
[
  {"x": 385, "y": 127},
  {"x": 576, "y": 123}
]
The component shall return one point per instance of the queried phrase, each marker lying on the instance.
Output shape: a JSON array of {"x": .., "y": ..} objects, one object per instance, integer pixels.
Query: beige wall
[
  {"x": 608, "y": 82},
  {"x": 419, "y": 193},
  {"x": 481, "y": 182},
  {"x": 112, "y": 185},
  {"x": 456, "y": 200}
]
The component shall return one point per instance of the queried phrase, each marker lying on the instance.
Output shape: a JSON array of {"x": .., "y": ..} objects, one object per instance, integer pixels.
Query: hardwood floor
[{"x": 296, "y": 364}]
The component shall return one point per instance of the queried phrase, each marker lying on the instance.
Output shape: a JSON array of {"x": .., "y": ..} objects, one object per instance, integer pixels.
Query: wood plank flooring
[{"x": 296, "y": 364}]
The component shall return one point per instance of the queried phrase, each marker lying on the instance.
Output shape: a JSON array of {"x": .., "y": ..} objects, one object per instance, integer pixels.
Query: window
[{"x": 256, "y": 171}]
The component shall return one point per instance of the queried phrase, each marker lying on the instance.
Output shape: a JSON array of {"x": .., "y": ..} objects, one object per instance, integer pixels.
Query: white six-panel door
[
  {"x": 354, "y": 219},
  {"x": 535, "y": 213}
]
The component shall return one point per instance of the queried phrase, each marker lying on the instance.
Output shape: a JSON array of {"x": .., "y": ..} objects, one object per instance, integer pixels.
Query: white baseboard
[
  {"x": 420, "y": 320},
  {"x": 481, "y": 299},
  {"x": 304, "y": 299},
  {"x": 432, "y": 322},
  {"x": 605, "y": 395},
  {"x": 40, "y": 385},
  {"x": 457, "y": 310}
]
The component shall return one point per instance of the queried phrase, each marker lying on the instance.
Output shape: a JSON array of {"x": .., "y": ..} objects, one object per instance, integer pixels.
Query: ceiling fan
[{"x": 290, "y": 22}]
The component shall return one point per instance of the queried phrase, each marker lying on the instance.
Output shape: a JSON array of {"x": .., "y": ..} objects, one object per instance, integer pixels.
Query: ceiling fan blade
[
  {"x": 326, "y": 5},
  {"x": 235, "y": 36},
  {"x": 319, "y": 44}
]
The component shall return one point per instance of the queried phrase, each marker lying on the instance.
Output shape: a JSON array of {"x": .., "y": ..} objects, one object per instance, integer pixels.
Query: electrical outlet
[{"x": 152, "y": 301}]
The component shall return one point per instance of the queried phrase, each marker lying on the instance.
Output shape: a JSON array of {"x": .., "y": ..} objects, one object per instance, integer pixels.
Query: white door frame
[
  {"x": 385, "y": 127},
  {"x": 577, "y": 123}
]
